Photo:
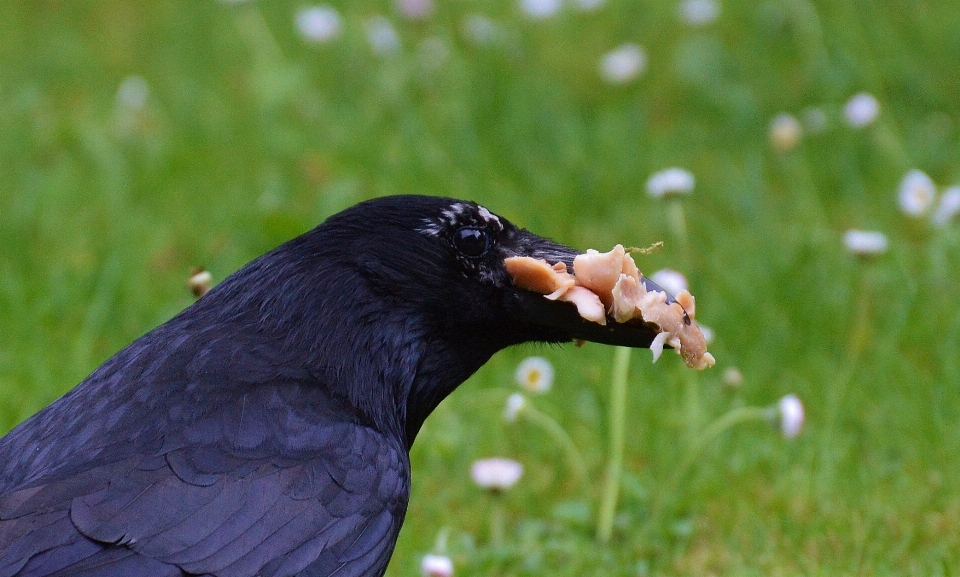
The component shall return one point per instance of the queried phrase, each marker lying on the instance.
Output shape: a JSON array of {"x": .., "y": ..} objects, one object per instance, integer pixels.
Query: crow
[{"x": 265, "y": 429}]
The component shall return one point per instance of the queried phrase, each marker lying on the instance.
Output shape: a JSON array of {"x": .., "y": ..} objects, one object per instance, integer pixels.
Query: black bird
[{"x": 265, "y": 429}]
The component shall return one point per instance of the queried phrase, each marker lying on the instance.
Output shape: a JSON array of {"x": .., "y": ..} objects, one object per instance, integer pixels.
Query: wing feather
[{"x": 210, "y": 511}]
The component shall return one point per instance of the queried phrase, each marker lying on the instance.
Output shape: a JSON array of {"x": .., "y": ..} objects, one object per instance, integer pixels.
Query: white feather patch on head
[
  {"x": 488, "y": 216},
  {"x": 429, "y": 227},
  {"x": 458, "y": 214}
]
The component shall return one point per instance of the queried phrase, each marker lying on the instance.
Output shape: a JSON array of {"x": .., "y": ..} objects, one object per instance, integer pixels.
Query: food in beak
[{"x": 609, "y": 285}]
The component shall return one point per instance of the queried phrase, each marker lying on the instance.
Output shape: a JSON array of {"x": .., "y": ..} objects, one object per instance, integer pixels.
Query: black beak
[{"x": 561, "y": 319}]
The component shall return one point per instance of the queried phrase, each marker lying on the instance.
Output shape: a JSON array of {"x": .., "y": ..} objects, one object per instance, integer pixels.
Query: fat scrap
[{"x": 609, "y": 287}]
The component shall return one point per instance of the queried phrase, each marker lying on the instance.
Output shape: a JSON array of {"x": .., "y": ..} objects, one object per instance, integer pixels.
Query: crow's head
[
  {"x": 443, "y": 260},
  {"x": 402, "y": 298}
]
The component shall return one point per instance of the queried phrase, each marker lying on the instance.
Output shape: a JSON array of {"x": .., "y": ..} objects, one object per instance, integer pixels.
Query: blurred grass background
[{"x": 138, "y": 140}]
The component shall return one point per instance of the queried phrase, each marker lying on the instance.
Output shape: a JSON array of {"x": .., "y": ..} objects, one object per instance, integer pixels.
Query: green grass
[{"x": 251, "y": 136}]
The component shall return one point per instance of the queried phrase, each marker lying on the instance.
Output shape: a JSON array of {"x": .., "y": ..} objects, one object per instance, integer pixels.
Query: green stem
[
  {"x": 496, "y": 523},
  {"x": 443, "y": 537},
  {"x": 715, "y": 429},
  {"x": 857, "y": 343},
  {"x": 618, "y": 406},
  {"x": 254, "y": 26},
  {"x": 677, "y": 220},
  {"x": 553, "y": 428},
  {"x": 709, "y": 434}
]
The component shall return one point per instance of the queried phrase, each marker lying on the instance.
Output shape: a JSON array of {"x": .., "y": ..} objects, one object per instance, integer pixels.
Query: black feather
[{"x": 265, "y": 429}]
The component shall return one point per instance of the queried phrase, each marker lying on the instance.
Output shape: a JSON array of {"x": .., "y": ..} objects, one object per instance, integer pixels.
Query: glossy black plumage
[{"x": 265, "y": 429}]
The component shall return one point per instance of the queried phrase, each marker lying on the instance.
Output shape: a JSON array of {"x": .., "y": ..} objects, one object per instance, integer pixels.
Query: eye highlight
[{"x": 472, "y": 242}]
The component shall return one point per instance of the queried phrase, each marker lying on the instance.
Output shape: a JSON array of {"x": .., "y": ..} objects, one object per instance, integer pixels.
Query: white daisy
[
  {"x": 318, "y": 24},
  {"x": 785, "y": 132},
  {"x": 670, "y": 181},
  {"x": 699, "y": 12},
  {"x": 865, "y": 242},
  {"x": 515, "y": 405},
  {"x": 496, "y": 473},
  {"x": 382, "y": 36},
  {"x": 670, "y": 280},
  {"x": 732, "y": 377},
  {"x": 790, "y": 416},
  {"x": 861, "y": 110},
  {"x": 535, "y": 375},
  {"x": 415, "y": 9},
  {"x": 917, "y": 193},
  {"x": 133, "y": 92},
  {"x": 540, "y": 9},
  {"x": 436, "y": 566},
  {"x": 623, "y": 64},
  {"x": 948, "y": 207}
]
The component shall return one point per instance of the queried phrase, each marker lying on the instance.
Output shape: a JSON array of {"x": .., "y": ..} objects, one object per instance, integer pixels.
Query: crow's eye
[{"x": 472, "y": 242}]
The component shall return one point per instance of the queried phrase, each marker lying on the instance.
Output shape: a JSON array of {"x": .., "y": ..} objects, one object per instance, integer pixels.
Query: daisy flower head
[
  {"x": 515, "y": 405},
  {"x": 133, "y": 92},
  {"x": 540, "y": 9},
  {"x": 865, "y": 242},
  {"x": 623, "y": 64},
  {"x": 415, "y": 9},
  {"x": 535, "y": 375},
  {"x": 917, "y": 193},
  {"x": 948, "y": 207},
  {"x": 318, "y": 24},
  {"x": 670, "y": 280},
  {"x": 861, "y": 110},
  {"x": 382, "y": 36},
  {"x": 699, "y": 12},
  {"x": 732, "y": 378},
  {"x": 496, "y": 474},
  {"x": 670, "y": 181},
  {"x": 433, "y": 565},
  {"x": 785, "y": 132},
  {"x": 790, "y": 416}
]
